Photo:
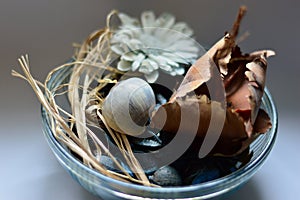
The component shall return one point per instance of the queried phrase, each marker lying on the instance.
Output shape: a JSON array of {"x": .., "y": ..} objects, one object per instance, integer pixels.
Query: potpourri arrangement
[{"x": 147, "y": 104}]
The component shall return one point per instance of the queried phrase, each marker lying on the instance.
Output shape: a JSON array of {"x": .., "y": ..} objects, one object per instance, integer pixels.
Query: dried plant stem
[{"x": 236, "y": 26}]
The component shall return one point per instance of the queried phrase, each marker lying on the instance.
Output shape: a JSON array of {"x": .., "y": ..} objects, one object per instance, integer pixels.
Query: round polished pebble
[{"x": 166, "y": 176}]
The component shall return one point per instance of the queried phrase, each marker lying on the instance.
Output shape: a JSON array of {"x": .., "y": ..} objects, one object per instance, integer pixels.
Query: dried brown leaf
[
  {"x": 218, "y": 55},
  {"x": 168, "y": 118},
  {"x": 243, "y": 77}
]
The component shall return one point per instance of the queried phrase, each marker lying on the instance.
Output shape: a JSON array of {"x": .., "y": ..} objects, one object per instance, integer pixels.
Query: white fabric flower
[{"x": 154, "y": 44}]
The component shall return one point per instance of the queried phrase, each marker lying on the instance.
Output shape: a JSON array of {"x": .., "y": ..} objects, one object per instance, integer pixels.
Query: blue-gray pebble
[{"x": 167, "y": 176}]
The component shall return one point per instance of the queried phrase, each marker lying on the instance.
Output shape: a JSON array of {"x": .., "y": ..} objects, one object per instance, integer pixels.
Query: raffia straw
[
  {"x": 139, "y": 170},
  {"x": 126, "y": 151},
  {"x": 96, "y": 53},
  {"x": 79, "y": 103},
  {"x": 130, "y": 158},
  {"x": 97, "y": 141},
  {"x": 61, "y": 128},
  {"x": 88, "y": 58}
]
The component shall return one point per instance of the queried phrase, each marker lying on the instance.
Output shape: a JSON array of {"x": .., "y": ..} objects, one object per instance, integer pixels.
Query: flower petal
[
  {"x": 166, "y": 60},
  {"x": 173, "y": 64},
  {"x": 146, "y": 67},
  {"x": 153, "y": 63},
  {"x": 161, "y": 35},
  {"x": 129, "y": 56},
  {"x": 179, "y": 70},
  {"x": 124, "y": 34},
  {"x": 175, "y": 57},
  {"x": 158, "y": 59},
  {"x": 186, "y": 55},
  {"x": 152, "y": 77},
  {"x": 118, "y": 49},
  {"x": 135, "y": 65},
  {"x": 165, "y": 20},
  {"x": 174, "y": 36},
  {"x": 129, "y": 21},
  {"x": 148, "y": 19},
  {"x": 166, "y": 67},
  {"x": 188, "y": 45},
  {"x": 124, "y": 65},
  {"x": 118, "y": 37},
  {"x": 172, "y": 73},
  {"x": 134, "y": 44},
  {"x": 183, "y": 28}
]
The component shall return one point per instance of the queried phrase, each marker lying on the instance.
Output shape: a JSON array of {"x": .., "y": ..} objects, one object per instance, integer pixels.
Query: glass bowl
[{"x": 108, "y": 188}]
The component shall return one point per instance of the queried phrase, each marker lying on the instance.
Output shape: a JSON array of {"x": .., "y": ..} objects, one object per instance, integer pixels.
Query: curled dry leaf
[
  {"x": 219, "y": 54},
  {"x": 243, "y": 78},
  {"x": 245, "y": 86}
]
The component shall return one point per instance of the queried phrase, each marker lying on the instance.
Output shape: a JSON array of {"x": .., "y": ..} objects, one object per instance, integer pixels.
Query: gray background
[{"x": 46, "y": 30}]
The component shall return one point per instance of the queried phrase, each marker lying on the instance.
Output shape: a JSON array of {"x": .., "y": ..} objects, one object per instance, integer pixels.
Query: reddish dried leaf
[
  {"x": 246, "y": 98},
  {"x": 243, "y": 77},
  {"x": 219, "y": 55}
]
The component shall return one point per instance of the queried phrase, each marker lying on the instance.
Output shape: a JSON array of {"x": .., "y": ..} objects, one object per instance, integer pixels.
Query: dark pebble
[
  {"x": 144, "y": 144},
  {"x": 166, "y": 176},
  {"x": 206, "y": 174},
  {"x": 148, "y": 163},
  {"x": 205, "y": 169},
  {"x": 110, "y": 165}
]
